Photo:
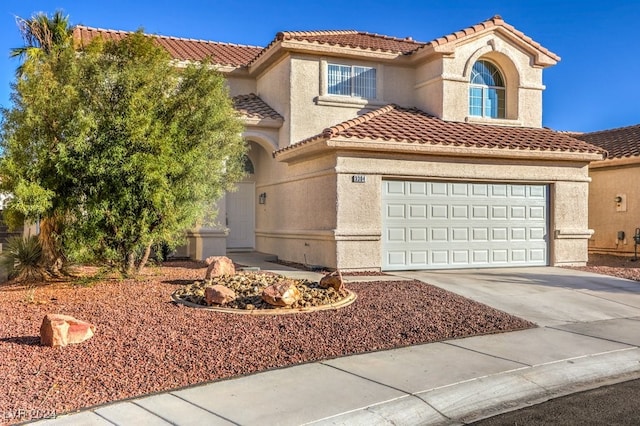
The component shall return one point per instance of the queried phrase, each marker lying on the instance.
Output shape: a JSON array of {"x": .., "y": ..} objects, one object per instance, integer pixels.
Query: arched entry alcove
[
  {"x": 241, "y": 204},
  {"x": 241, "y": 211}
]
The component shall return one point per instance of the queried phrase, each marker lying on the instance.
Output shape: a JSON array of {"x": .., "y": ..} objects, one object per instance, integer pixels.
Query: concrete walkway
[{"x": 589, "y": 335}]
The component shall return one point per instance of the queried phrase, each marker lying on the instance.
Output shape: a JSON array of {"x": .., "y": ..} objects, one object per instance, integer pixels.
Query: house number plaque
[{"x": 358, "y": 178}]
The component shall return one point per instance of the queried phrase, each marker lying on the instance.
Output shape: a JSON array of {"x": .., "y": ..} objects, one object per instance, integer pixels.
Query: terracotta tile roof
[
  {"x": 495, "y": 21},
  {"x": 241, "y": 55},
  {"x": 253, "y": 107},
  {"x": 355, "y": 39},
  {"x": 182, "y": 49},
  {"x": 395, "y": 124},
  {"x": 619, "y": 143}
]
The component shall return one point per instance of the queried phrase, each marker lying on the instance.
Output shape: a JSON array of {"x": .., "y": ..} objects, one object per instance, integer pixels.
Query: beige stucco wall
[
  {"x": 312, "y": 110},
  {"x": 298, "y": 220},
  {"x": 241, "y": 85},
  {"x": 329, "y": 220},
  {"x": 442, "y": 86},
  {"x": 274, "y": 87},
  {"x": 606, "y": 217}
]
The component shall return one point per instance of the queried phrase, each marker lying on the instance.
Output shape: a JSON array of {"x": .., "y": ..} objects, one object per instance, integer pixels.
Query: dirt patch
[{"x": 144, "y": 343}]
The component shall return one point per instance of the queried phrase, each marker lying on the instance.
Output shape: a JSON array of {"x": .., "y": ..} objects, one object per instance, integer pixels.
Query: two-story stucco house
[{"x": 369, "y": 152}]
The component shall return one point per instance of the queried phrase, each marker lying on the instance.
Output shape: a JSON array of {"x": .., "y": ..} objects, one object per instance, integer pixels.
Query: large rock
[
  {"x": 63, "y": 330},
  {"x": 333, "y": 280},
  {"x": 219, "y": 295},
  {"x": 283, "y": 293},
  {"x": 219, "y": 265}
]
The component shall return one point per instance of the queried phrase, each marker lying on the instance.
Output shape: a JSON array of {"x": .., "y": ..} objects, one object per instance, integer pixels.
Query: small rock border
[{"x": 248, "y": 288}]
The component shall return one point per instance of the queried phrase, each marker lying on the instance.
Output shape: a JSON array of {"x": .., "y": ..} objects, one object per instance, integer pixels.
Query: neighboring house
[
  {"x": 374, "y": 152},
  {"x": 614, "y": 192}
]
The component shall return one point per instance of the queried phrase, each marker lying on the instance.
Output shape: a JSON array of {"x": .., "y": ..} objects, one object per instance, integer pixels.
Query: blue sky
[{"x": 595, "y": 86}]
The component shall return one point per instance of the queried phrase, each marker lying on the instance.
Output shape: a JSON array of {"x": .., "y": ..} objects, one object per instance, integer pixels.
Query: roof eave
[
  {"x": 315, "y": 146},
  {"x": 276, "y": 50},
  {"x": 540, "y": 58},
  {"x": 616, "y": 162},
  {"x": 273, "y": 123}
]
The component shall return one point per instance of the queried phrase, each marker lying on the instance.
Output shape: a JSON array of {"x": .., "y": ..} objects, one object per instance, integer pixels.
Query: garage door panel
[
  {"x": 480, "y": 234},
  {"x": 479, "y": 212},
  {"x": 396, "y": 235},
  {"x": 460, "y": 212},
  {"x": 439, "y": 211},
  {"x": 418, "y": 188},
  {"x": 439, "y": 257},
  {"x": 499, "y": 212},
  {"x": 537, "y": 212},
  {"x": 460, "y": 235},
  {"x": 480, "y": 257},
  {"x": 438, "y": 188},
  {"x": 435, "y": 225},
  {"x": 518, "y": 212},
  {"x": 396, "y": 258},
  {"x": 537, "y": 191},
  {"x": 396, "y": 211},
  {"x": 418, "y": 235},
  {"x": 418, "y": 211},
  {"x": 395, "y": 187},
  {"x": 479, "y": 190}
]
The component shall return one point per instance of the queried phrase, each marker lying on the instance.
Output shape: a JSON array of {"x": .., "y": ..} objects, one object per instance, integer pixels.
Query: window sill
[
  {"x": 494, "y": 121},
  {"x": 348, "y": 102}
]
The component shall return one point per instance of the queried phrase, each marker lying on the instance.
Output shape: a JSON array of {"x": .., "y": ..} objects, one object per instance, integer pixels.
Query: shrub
[{"x": 22, "y": 258}]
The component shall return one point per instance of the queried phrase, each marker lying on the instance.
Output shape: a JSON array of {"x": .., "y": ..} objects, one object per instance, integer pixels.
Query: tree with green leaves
[
  {"x": 126, "y": 149},
  {"x": 45, "y": 37}
]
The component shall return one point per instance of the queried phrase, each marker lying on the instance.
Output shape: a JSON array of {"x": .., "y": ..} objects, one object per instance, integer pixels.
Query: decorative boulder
[
  {"x": 219, "y": 265},
  {"x": 218, "y": 295},
  {"x": 63, "y": 330},
  {"x": 284, "y": 293},
  {"x": 333, "y": 280}
]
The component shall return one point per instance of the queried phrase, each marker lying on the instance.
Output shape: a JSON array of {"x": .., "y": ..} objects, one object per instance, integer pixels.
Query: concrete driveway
[{"x": 547, "y": 296}]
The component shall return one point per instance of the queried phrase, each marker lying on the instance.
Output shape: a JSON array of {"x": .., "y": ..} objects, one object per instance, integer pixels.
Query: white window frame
[
  {"x": 485, "y": 96},
  {"x": 327, "y": 99},
  {"x": 360, "y": 85}
]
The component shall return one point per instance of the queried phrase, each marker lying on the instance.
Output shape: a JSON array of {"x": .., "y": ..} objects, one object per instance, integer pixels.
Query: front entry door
[{"x": 241, "y": 216}]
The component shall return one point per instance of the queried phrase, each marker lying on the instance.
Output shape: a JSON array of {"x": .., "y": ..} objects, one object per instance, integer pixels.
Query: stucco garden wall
[{"x": 606, "y": 216}]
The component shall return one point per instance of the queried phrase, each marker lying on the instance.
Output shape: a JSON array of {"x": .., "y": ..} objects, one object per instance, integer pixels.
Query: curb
[{"x": 487, "y": 396}]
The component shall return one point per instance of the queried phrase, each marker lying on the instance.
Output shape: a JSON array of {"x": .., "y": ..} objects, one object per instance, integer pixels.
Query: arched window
[{"x": 486, "y": 91}]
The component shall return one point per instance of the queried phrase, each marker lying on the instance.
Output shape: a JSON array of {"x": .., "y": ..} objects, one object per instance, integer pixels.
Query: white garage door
[{"x": 437, "y": 225}]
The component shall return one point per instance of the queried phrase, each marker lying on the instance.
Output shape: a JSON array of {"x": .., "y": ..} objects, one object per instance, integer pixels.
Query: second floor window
[
  {"x": 348, "y": 80},
  {"x": 486, "y": 91}
]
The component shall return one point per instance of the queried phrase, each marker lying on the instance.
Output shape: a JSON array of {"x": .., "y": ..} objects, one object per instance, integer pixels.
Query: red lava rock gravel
[
  {"x": 144, "y": 343},
  {"x": 617, "y": 266}
]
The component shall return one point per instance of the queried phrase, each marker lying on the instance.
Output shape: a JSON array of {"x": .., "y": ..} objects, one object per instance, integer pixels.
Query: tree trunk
[
  {"x": 131, "y": 264},
  {"x": 145, "y": 258},
  {"x": 53, "y": 257}
]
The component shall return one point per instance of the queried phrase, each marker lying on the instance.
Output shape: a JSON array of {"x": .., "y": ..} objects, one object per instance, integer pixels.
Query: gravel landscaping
[
  {"x": 622, "y": 267},
  {"x": 145, "y": 343}
]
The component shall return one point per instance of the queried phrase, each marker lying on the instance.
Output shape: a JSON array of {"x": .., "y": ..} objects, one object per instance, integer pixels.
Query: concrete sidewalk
[{"x": 449, "y": 382}]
